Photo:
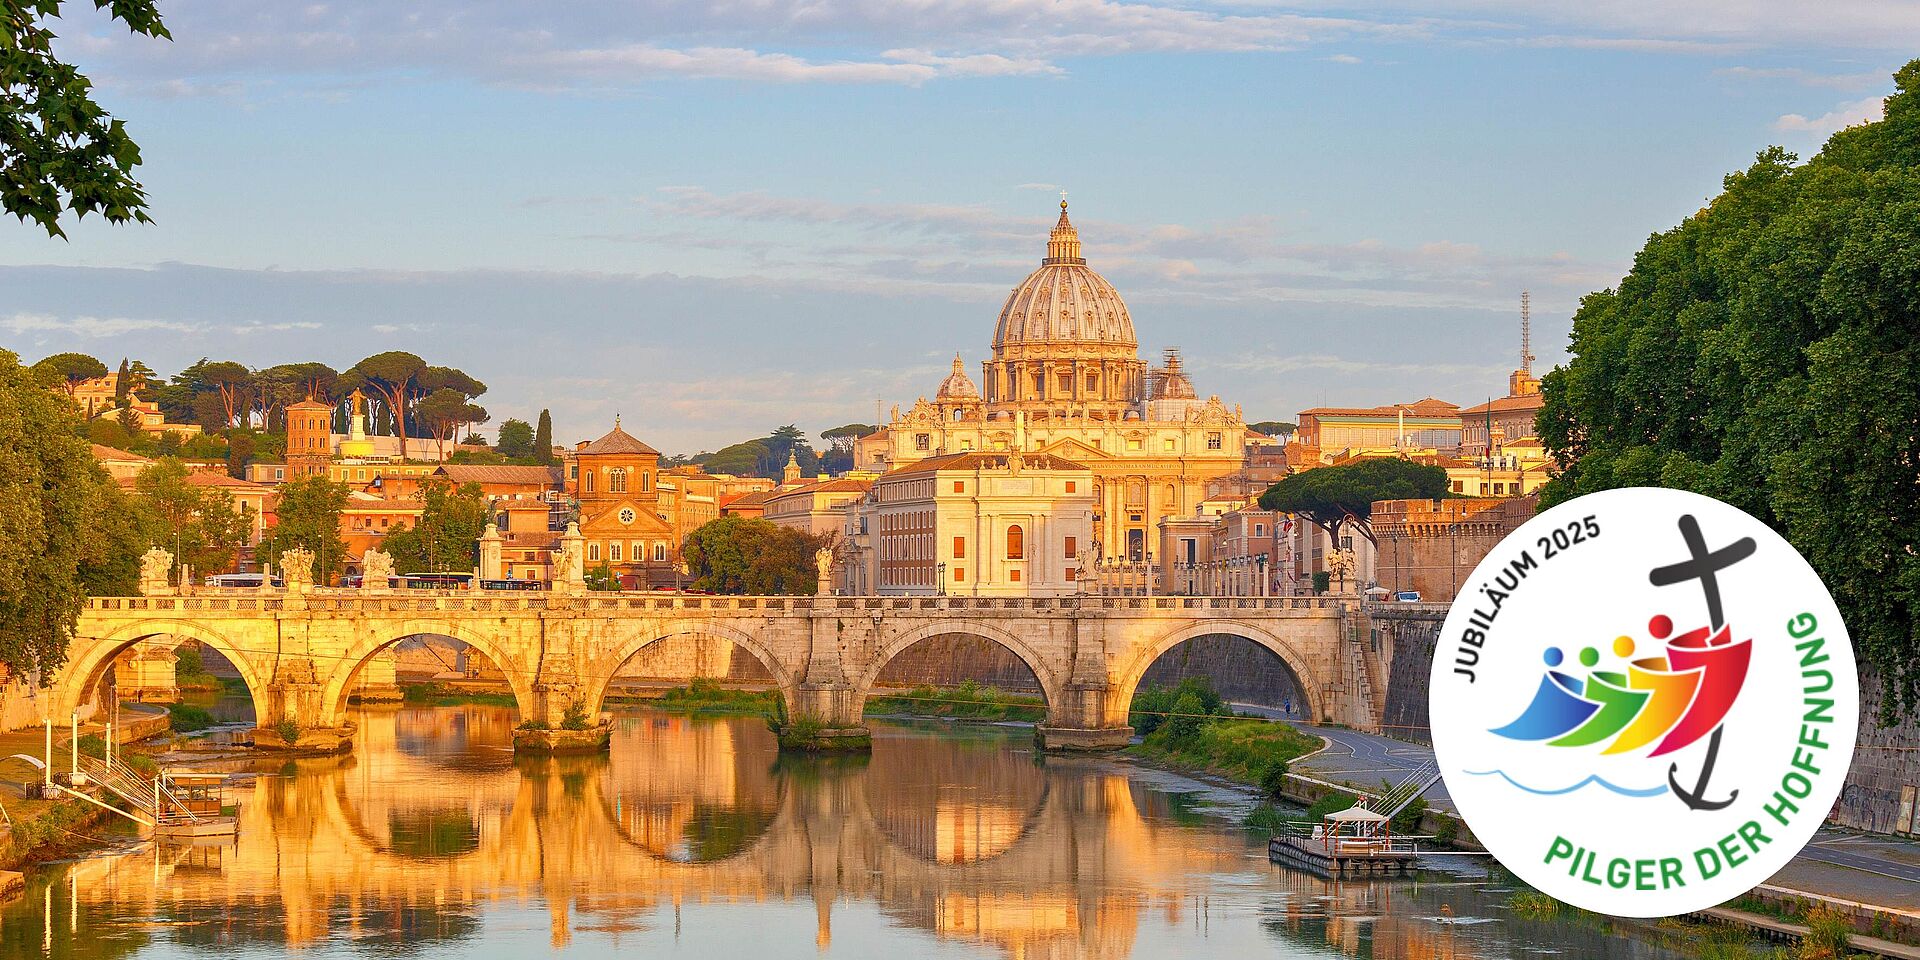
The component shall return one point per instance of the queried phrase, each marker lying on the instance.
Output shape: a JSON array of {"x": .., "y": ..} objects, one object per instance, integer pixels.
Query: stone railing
[{"x": 325, "y": 600}]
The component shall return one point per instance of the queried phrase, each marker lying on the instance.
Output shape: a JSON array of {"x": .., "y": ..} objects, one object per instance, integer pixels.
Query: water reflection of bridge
[
  {"x": 434, "y": 812},
  {"x": 433, "y": 827}
]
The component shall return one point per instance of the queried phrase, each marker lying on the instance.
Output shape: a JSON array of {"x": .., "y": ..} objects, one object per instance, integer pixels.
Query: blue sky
[{"x": 718, "y": 217}]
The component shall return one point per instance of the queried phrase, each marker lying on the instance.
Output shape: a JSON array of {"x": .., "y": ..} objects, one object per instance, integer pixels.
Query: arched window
[
  {"x": 589, "y": 479},
  {"x": 617, "y": 480},
  {"x": 1016, "y": 543}
]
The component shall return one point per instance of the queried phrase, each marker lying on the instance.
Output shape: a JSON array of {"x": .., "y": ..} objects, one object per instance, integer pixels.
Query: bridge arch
[
  {"x": 88, "y": 659},
  {"x": 1043, "y": 672},
  {"x": 631, "y": 641},
  {"x": 1127, "y": 680},
  {"x": 385, "y": 633}
]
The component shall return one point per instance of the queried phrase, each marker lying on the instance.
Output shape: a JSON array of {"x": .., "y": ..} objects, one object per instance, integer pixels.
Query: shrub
[
  {"x": 574, "y": 717},
  {"x": 92, "y": 745},
  {"x": 1267, "y": 817},
  {"x": 1331, "y": 803},
  {"x": 186, "y": 718},
  {"x": 1408, "y": 819},
  {"x": 1827, "y": 935},
  {"x": 1273, "y": 777},
  {"x": 1533, "y": 905},
  {"x": 1183, "y": 725},
  {"x": 288, "y": 729},
  {"x": 1448, "y": 830},
  {"x": 187, "y": 662}
]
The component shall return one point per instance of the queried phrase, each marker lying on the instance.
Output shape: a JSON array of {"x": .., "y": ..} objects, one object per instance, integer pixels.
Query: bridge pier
[
  {"x": 1079, "y": 721},
  {"x": 559, "y": 722},
  {"x": 825, "y": 717},
  {"x": 294, "y": 704}
]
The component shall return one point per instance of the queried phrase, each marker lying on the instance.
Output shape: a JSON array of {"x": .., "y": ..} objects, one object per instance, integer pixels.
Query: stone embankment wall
[
  {"x": 1412, "y": 644},
  {"x": 1881, "y": 787}
]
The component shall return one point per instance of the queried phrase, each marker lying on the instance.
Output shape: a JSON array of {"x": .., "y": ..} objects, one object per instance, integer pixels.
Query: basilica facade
[{"x": 1065, "y": 378}]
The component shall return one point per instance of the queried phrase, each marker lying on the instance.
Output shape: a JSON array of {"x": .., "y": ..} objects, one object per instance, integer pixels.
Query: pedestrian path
[{"x": 1870, "y": 869}]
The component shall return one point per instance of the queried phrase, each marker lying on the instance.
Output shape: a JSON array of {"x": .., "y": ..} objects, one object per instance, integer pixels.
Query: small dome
[
  {"x": 1171, "y": 382},
  {"x": 957, "y": 386},
  {"x": 1064, "y": 301}
]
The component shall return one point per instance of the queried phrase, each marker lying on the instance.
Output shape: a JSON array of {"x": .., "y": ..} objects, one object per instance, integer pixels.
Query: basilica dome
[
  {"x": 958, "y": 386},
  {"x": 1064, "y": 302}
]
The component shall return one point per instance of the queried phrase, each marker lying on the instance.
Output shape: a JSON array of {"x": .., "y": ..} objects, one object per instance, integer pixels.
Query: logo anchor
[{"x": 1704, "y": 565}]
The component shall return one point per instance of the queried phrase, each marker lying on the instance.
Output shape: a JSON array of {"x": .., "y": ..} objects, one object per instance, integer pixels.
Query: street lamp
[{"x": 940, "y": 577}]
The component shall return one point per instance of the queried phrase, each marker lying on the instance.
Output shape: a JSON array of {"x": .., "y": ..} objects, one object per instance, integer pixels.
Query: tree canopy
[
  {"x": 447, "y": 538},
  {"x": 59, "y": 150},
  {"x": 1766, "y": 351},
  {"x": 200, "y": 525},
  {"x": 543, "y": 438},
  {"x": 1274, "y": 428},
  {"x": 516, "y": 438},
  {"x": 68, "y": 370},
  {"x": 1335, "y": 497},
  {"x": 64, "y": 526},
  {"x": 752, "y": 556},
  {"x": 309, "y": 516}
]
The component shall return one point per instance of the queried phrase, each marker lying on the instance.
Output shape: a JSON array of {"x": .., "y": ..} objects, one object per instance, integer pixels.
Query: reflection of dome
[
  {"x": 1063, "y": 301},
  {"x": 957, "y": 385}
]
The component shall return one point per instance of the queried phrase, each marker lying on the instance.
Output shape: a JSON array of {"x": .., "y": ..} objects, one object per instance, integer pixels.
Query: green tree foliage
[
  {"x": 1766, "y": 351},
  {"x": 445, "y": 411},
  {"x": 543, "y": 438},
  {"x": 840, "y": 440},
  {"x": 309, "y": 516},
  {"x": 740, "y": 459},
  {"x": 447, "y": 538},
  {"x": 1333, "y": 498},
  {"x": 1274, "y": 428},
  {"x": 68, "y": 370},
  {"x": 233, "y": 382},
  {"x": 778, "y": 444},
  {"x": 122, "y": 382},
  {"x": 394, "y": 377},
  {"x": 65, "y": 528},
  {"x": 601, "y": 578},
  {"x": 199, "y": 525},
  {"x": 58, "y": 149},
  {"x": 516, "y": 439},
  {"x": 752, "y": 556}
]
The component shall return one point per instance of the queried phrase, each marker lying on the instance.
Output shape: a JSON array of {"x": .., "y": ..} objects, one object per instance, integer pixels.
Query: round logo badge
[{"x": 1644, "y": 702}]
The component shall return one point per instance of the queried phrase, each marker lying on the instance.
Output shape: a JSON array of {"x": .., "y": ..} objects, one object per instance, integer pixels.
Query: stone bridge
[{"x": 302, "y": 652}]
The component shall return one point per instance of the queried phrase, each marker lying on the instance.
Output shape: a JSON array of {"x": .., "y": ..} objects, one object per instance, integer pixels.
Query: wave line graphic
[{"x": 1593, "y": 779}]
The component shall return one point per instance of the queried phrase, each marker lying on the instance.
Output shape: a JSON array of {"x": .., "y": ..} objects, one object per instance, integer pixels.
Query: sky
[{"x": 714, "y": 218}]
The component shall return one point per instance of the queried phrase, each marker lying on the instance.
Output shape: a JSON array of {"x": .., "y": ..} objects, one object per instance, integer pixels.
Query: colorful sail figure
[{"x": 1675, "y": 700}]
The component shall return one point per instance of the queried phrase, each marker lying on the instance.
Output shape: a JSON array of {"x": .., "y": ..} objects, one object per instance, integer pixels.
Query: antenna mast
[{"x": 1526, "y": 332}]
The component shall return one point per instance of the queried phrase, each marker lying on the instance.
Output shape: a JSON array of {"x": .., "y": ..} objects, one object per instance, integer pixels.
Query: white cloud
[
  {"x": 1343, "y": 58},
  {"x": 1839, "y": 118},
  {"x": 92, "y": 327},
  {"x": 1807, "y": 78}
]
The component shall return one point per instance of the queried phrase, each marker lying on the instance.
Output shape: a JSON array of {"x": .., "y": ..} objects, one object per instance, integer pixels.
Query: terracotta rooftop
[
  {"x": 498, "y": 473},
  {"x": 207, "y": 478},
  {"x": 1531, "y": 401},
  {"x": 618, "y": 441},
  {"x": 1424, "y": 407},
  {"x": 103, "y": 452}
]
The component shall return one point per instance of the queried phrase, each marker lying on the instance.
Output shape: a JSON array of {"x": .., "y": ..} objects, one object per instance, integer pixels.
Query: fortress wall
[{"x": 1886, "y": 770}]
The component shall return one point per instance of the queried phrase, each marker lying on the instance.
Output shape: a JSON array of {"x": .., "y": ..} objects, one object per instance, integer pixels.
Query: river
[{"x": 696, "y": 838}]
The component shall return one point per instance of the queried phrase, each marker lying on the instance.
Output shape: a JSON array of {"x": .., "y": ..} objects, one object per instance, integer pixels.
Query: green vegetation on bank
[
  {"x": 705, "y": 695},
  {"x": 190, "y": 671},
  {"x": 443, "y": 695},
  {"x": 968, "y": 701},
  {"x": 1189, "y": 726},
  {"x": 187, "y": 718}
]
